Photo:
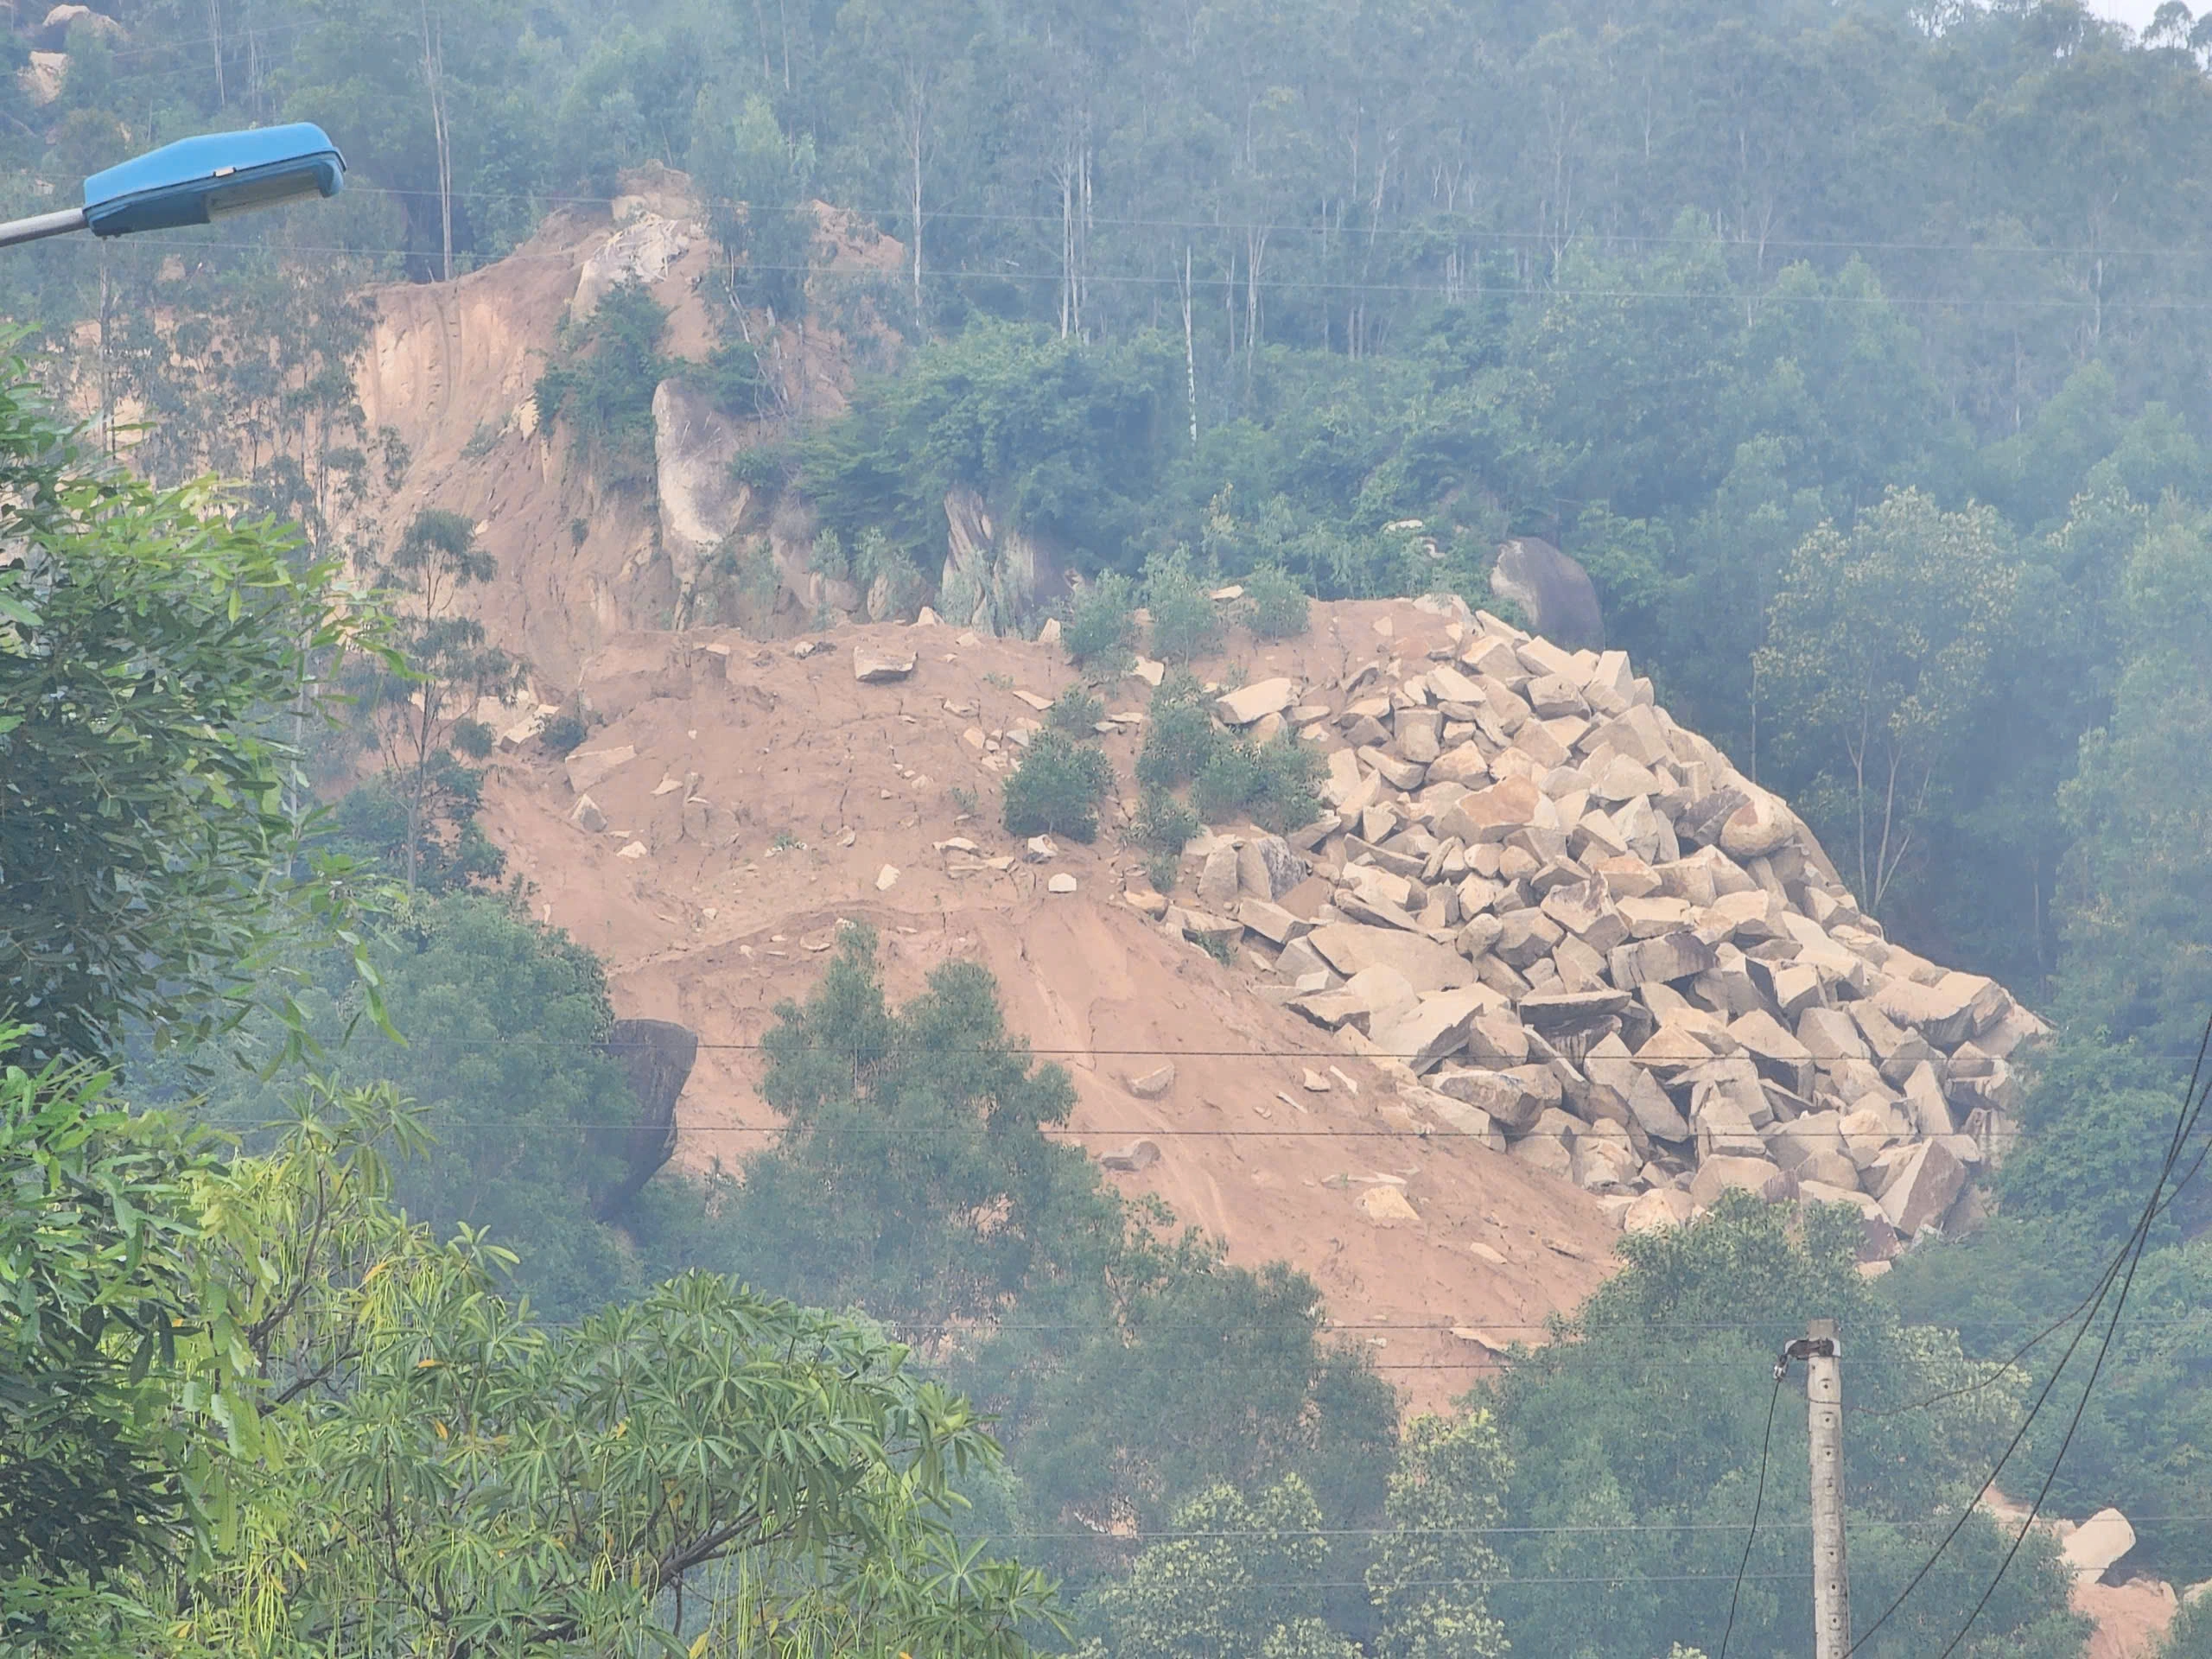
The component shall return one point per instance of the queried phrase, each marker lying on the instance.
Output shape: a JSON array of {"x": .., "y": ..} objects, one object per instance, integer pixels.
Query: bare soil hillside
[
  {"x": 450, "y": 370},
  {"x": 749, "y": 799}
]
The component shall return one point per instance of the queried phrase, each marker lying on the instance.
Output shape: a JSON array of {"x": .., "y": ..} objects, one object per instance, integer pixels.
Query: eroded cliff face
[
  {"x": 996, "y": 578},
  {"x": 449, "y": 372}
]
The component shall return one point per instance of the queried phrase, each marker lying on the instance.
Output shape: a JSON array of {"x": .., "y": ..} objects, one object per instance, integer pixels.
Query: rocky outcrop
[
  {"x": 641, "y": 251},
  {"x": 39, "y": 78},
  {"x": 1553, "y": 589},
  {"x": 994, "y": 578},
  {"x": 656, "y": 1057},
  {"x": 1534, "y": 895},
  {"x": 702, "y": 505},
  {"x": 54, "y": 32}
]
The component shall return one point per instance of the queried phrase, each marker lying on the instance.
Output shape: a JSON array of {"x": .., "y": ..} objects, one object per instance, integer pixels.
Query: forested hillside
[
  {"x": 1860, "y": 353},
  {"x": 1669, "y": 286}
]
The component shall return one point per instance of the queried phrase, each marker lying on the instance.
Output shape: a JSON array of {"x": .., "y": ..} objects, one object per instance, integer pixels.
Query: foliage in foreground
[
  {"x": 400, "y": 1448},
  {"x": 251, "y": 1406},
  {"x": 148, "y": 816}
]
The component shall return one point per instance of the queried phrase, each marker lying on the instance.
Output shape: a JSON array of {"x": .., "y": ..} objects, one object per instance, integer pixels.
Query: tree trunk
[
  {"x": 1255, "y": 251},
  {"x": 215, "y": 46},
  {"x": 917, "y": 125},
  {"x": 1067, "y": 249},
  {"x": 760, "y": 28},
  {"x": 1190, "y": 351},
  {"x": 434, "y": 79}
]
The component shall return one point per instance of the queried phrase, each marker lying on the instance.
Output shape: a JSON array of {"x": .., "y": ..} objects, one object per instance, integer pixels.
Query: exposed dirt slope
[
  {"x": 813, "y": 786},
  {"x": 450, "y": 370}
]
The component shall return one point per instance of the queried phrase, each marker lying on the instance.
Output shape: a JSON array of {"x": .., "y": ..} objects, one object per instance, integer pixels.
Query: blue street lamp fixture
[{"x": 195, "y": 181}]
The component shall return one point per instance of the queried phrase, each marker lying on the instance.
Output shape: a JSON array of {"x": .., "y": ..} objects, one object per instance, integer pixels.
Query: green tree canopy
[
  {"x": 1878, "y": 663},
  {"x": 1635, "y": 1440},
  {"x": 2135, "y": 913},
  {"x": 148, "y": 638}
]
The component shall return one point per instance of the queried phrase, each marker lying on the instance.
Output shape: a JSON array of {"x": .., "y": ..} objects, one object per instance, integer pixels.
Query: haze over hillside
[{"x": 1323, "y": 754}]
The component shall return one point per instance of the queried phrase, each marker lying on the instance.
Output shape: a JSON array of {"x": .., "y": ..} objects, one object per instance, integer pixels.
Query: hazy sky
[{"x": 2134, "y": 13}]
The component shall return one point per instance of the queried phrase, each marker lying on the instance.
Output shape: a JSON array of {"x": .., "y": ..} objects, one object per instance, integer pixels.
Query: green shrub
[
  {"x": 1276, "y": 603},
  {"x": 1163, "y": 824},
  {"x": 1101, "y": 623},
  {"x": 732, "y": 380},
  {"x": 1163, "y": 827},
  {"x": 1272, "y": 784},
  {"x": 1180, "y": 736},
  {"x": 1076, "y": 713},
  {"x": 562, "y": 733},
  {"x": 826, "y": 557},
  {"x": 603, "y": 379},
  {"x": 1057, "y": 788},
  {"x": 1184, "y": 623},
  {"x": 768, "y": 468}
]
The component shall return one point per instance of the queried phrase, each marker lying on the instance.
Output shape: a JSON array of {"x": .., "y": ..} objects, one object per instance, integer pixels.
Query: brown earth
[
  {"x": 858, "y": 777},
  {"x": 450, "y": 369},
  {"x": 2131, "y": 1618},
  {"x": 816, "y": 785}
]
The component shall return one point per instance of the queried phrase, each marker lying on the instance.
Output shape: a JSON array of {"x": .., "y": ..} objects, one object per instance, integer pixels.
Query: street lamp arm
[
  {"x": 41, "y": 225},
  {"x": 197, "y": 180}
]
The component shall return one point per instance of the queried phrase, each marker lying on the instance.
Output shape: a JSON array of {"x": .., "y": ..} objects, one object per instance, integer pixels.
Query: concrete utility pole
[{"x": 1824, "y": 1411}]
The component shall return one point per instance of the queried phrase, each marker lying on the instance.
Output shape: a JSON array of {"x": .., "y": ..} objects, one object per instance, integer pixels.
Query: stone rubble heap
[{"x": 1589, "y": 941}]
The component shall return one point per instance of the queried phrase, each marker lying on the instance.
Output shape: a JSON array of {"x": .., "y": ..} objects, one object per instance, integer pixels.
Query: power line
[
  {"x": 916, "y": 1132},
  {"x": 1455, "y": 291},
  {"x": 1275, "y": 228},
  {"x": 1766, "y": 1443},
  {"x": 1594, "y": 1529},
  {"x": 2192, "y": 1107},
  {"x": 1607, "y": 1331},
  {"x": 1542, "y": 238},
  {"x": 606, "y": 1045},
  {"x": 2140, "y": 1241}
]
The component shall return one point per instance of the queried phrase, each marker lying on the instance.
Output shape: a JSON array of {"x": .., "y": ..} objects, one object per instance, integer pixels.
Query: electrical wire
[
  {"x": 2140, "y": 1241},
  {"x": 2193, "y": 1100},
  {"x": 1171, "y": 1536},
  {"x": 2006, "y": 1365},
  {"x": 1542, "y": 238},
  {"x": 1766, "y": 1444},
  {"x": 916, "y": 1132},
  {"x": 1233, "y": 285}
]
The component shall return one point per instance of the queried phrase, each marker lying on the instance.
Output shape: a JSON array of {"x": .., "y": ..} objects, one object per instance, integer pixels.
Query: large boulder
[
  {"x": 1255, "y": 702},
  {"x": 1555, "y": 591},
  {"x": 1921, "y": 1188},
  {"x": 641, "y": 251},
  {"x": 1433, "y": 1030},
  {"x": 1494, "y": 813},
  {"x": 2092, "y": 1548},
  {"x": 1757, "y": 1176},
  {"x": 1514, "y": 1102},
  {"x": 1350, "y": 948},
  {"x": 655, "y": 1057},
  {"x": 54, "y": 31}
]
